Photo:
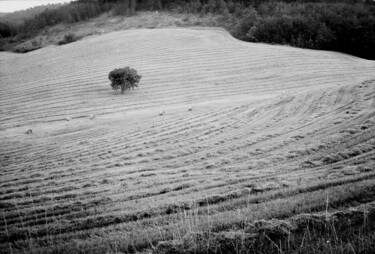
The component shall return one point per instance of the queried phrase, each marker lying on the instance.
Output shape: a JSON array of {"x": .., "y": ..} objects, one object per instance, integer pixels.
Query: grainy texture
[{"x": 284, "y": 126}]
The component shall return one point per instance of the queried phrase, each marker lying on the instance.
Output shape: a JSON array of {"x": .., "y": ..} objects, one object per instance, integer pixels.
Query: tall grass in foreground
[
  {"x": 312, "y": 220},
  {"x": 348, "y": 231}
]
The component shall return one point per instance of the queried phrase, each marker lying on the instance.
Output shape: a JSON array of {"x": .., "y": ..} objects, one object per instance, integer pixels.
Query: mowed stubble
[{"x": 265, "y": 120}]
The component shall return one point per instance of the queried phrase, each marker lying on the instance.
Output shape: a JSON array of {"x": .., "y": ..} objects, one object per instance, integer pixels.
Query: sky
[{"x": 17, "y": 5}]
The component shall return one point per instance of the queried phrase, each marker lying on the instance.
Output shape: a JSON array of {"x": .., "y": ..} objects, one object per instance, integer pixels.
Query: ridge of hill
[
  {"x": 277, "y": 138},
  {"x": 315, "y": 25}
]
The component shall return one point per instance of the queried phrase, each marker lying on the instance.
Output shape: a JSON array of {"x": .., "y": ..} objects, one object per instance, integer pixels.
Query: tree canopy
[{"x": 124, "y": 79}]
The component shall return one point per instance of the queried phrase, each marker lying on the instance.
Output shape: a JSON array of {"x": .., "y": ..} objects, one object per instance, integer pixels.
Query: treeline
[
  {"x": 347, "y": 25},
  {"x": 329, "y": 26},
  {"x": 68, "y": 13},
  {"x": 18, "y": 17}
]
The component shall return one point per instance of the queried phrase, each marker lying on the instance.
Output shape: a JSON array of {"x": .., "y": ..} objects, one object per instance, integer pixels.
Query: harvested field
[{"x": 250, "y": 132}]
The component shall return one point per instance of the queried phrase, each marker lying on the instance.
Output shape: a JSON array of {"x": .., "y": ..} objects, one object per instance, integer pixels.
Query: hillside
[
  {"x": 17, "y": 17},
  {"x": 274, "y": 132}
]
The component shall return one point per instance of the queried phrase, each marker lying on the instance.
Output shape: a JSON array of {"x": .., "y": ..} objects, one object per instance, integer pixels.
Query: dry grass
[
  {"x": 273, "y": 133},
  {"x": 106, "y": 23},
  {"x": 324, "y": 232}
]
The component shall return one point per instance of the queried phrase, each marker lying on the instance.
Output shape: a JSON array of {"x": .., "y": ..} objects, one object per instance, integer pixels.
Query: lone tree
[{"x": 124, "y": 78}]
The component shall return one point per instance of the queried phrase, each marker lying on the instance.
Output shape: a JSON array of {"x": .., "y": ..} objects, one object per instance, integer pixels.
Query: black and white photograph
[{"x": 187, "y": 127}]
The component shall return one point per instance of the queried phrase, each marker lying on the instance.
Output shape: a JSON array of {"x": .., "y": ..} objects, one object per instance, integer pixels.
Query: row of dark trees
[
  {"x": 340, "y": 27},
  {"x": 346, "y": 25}
]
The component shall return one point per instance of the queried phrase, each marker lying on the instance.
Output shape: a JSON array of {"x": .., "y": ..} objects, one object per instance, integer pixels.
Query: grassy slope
[
  {"x": 274, "y": 131},
  {"x": 109, "y": 23}
]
